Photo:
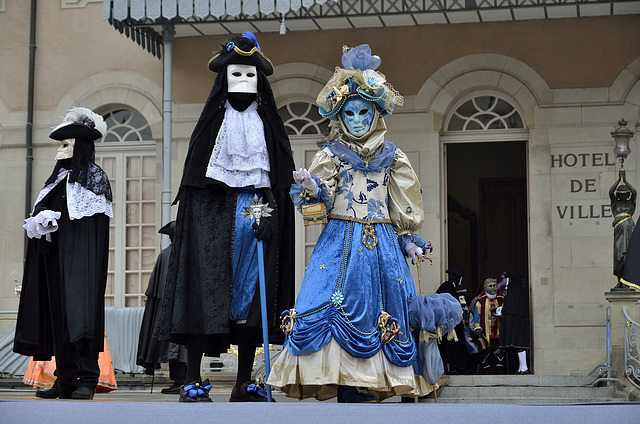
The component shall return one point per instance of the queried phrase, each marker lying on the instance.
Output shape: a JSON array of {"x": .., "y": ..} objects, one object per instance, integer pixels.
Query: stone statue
[{"x": 623, "y": 206}]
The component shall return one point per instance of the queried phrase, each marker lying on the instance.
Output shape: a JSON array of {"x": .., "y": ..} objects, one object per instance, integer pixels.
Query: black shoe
[
  {"x": 349, "y": 394},
  {"x": 248, "y": 392},
  {"x": 173, "y": 390},
  {"x": 195, "y": 391},
  {"x": 52, "y": 393},
  {"x": 83, "y": 393}
]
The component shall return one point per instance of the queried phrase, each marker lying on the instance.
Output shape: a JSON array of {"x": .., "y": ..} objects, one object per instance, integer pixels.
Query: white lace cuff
[{"x": 42, "y": 224}]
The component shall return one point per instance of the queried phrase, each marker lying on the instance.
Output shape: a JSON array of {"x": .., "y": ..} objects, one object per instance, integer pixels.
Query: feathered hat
[
  {"x": 80, "y": 123},
  {"x": 242, "y": 50},
  {"x": 358, "y": 78}
]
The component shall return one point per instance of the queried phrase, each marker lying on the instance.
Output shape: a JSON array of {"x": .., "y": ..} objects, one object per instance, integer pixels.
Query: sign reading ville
[{"x": 577, "y": 183}]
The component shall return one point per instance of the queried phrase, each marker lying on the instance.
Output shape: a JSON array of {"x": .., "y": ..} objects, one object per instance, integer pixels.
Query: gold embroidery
[
  {"x": 369, "y": 238},
  {"x": 315, "y": 213},
  {"x": 360, "y": 220}
]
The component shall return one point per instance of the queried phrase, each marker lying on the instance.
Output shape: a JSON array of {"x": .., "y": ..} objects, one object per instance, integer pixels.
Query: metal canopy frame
[{"x": 350, "y": 14}]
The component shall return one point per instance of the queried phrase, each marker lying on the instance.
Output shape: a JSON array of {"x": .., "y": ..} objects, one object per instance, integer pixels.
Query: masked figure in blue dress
[{"x": 348, "y": 334}]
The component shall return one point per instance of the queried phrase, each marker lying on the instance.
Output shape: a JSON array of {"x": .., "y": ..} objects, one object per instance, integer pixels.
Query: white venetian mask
[
  {"x": 65, "y": 151},
  {"x": 242, "y": 79}
]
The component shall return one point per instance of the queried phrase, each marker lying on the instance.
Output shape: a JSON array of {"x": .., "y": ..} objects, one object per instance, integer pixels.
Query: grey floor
[{"x": 17, "y": 407}]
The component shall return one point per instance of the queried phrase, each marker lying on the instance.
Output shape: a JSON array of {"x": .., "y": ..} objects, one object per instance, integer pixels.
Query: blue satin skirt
[
  {"x": 347, "y": 286},
  {"x": 245, "y": 259}
]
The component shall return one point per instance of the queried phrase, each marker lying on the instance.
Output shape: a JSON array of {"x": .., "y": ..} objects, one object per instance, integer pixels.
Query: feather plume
[
  {"x": 251, "y": 36},
  {"x": 82, "y": 115}
]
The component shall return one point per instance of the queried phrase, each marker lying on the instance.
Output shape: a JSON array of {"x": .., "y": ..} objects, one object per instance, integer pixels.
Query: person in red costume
[{"x": 486, "y": 324}]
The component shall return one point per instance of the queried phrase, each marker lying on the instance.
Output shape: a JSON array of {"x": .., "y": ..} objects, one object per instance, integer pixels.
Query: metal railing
[
  {"x": 7, "y": 318},
  {"x": 631, "y": 349},
  {"x": 604, "y": 370}
]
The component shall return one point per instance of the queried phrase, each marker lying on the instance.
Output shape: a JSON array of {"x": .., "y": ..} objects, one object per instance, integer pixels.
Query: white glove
[
  {"x": 304, "y": 177},
  {"x": 499, "y": 311},
  {"x": 42, "y": 224},
  {"x": 415, "y": 253}
]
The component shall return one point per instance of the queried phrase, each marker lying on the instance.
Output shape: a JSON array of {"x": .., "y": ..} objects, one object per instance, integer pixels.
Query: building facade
[{"x": 507, "y": 124}]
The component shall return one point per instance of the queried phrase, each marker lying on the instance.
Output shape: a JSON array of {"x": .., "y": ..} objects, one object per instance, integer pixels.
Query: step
[
  {"x": 522, "y": 380},
  {"x": 501, "y": 392},
  {"x": 519, "y": 400},
  {"x": 523, "y": 389}
]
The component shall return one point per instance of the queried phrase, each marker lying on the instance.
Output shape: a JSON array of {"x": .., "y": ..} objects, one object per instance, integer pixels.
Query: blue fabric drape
[{"x": 346, "y": 287}]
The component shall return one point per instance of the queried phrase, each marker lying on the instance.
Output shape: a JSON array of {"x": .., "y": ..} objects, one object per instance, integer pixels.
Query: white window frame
[{"x": 121, "y": 151}]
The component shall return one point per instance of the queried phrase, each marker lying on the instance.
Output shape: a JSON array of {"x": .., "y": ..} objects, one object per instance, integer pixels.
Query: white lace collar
[{"x": 240, "y": 157}]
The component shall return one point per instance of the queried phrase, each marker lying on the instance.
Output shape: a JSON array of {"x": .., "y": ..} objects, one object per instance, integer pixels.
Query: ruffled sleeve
[
  {"x": 405, "y": 201},
  {"x": 325, "y": 174}
]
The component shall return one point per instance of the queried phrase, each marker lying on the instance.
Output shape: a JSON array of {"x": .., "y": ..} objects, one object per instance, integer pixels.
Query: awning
[{"x": 142, "y": 20}]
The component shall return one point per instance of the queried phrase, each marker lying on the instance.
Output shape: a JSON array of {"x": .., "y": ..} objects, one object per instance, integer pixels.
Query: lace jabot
[
  {"x": 240, "y": 156},
  {"x": 82, "y": 202}
]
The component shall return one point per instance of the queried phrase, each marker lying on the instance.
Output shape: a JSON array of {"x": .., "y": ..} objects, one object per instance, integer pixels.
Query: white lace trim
[
  {"x": 62, "y": 173},
  {"x": 240, "y": 156},
  {"x": 81, "y": 202}
]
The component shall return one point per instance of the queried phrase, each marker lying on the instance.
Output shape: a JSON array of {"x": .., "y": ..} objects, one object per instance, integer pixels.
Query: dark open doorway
[{"x": 486, "y": 210}]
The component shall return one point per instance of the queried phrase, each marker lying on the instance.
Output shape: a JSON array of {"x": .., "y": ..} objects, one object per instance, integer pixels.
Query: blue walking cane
[{"x": 257, "y": 209}]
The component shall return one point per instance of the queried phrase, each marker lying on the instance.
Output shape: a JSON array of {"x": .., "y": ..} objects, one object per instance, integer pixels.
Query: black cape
[
  {"x": 515, "y": 331},
  {"x": 151, "y": 351},
  {"x": 71, "y": 268},
  {"x": 197, "y": 295},
  {"x": 454, "y": 353}
]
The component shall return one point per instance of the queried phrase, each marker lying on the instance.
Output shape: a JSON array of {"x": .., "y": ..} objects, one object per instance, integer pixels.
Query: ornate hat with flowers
[
  {"x": 358, "y": 78},
  {"x": 242, "y": 50}
]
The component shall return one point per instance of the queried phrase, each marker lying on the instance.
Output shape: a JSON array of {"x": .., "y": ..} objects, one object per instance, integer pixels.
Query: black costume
[
  {"x": 61, "y": 308},
  {"x": 455, "y": 356},
  {"x": 198, "y": 290},
  {"x": 515, "y": 330},
  {"x": 151, "y": 351}
]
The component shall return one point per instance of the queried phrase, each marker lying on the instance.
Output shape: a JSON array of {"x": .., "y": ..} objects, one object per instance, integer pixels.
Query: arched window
[
  {"x": 483, "y": 113},
  {"x": 127, "y": 153},
  {"x": 302, "y": 118},
  {"x": 126, "y": 125}
]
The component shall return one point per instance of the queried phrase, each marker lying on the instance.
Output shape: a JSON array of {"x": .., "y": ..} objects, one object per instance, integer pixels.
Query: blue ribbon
[
  {"x": 377, "y": 164},
  {"x": 256, "y": 388},
  {"x": 195, "y": 390}
]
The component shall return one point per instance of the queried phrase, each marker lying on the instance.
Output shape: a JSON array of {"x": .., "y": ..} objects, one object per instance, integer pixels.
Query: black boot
[
  {"x": 52, "y": 393},
  {"x": 196, "y": 391},
  {"x": 83, "y": 393},
  {"x": 248, "y": 392}
]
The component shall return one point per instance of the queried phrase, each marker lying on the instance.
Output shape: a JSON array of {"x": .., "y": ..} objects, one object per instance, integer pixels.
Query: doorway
[{"x": 487, "y": 231}]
